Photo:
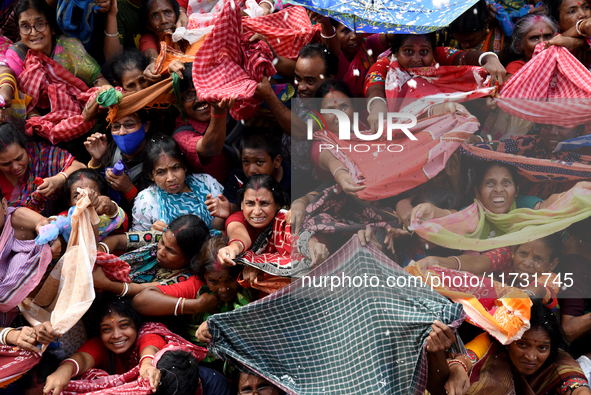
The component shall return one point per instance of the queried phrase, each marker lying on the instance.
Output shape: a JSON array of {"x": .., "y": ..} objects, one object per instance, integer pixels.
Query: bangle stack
[
  {"x": 125, "y": 290},
  {"x": 241, "y": 243},
  {"x": 334, "y": 34},
  {"x": 75, "y": 363},
  {"x": 181, "y": 303},
  {"x": 146, "y": 356},
  {"x": 459, "y": 269},
  {"x": 458, "y": 362},
  {"x": 106, "y": 247},
  {"x": 7, "y": 79},
  {"x": 4, "y": 335},
  {"x": 61, "y": 173}
]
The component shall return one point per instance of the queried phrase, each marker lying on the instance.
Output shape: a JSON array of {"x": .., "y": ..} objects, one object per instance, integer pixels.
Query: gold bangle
[
  {"x": 183, "y": 306},
  {"x": 93, "y": 167}
]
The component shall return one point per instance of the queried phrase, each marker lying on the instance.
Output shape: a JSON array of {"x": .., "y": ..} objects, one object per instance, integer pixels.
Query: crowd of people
[{"x": 166, "y": 161}]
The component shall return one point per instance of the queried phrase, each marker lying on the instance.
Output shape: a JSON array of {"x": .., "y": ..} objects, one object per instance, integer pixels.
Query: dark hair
[
  {"x": 483, "y": 167},
  {"x": 554, "y": 9},
  {"x": 156, "y": 146},
  {"x": 544, "y": 319},
  {"x": 400, "y": 39},
  {"x": 554, "y": 243},
  {"x": 331, "y": 62},
  {"x": 91, "y": 174},
  {"x": 258, "y": 181},
  {"x": 207, "y": 259},
  {"x": 41, "y": 7},
  {"x": 128, "y": 60},
  {"x": 187, "y": 81},
  {"x": 261, "y": 138},
  {"x": 442, "y": 198},
  {"x": 190, "y": 232},
  {"x": 580, "y": 229},
  {"x": 10, "y": 135},
  {"x": 333, "y": 85},
  {"x": 473, "y": 20},
  {"x": 110, "y": 304},
  {"x": 145, "y": 10},
  {"x": 179, "y": 373}
]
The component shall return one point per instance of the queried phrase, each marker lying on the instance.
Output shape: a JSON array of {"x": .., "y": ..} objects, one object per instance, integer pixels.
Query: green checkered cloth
[{"x": 307, "y": 339}]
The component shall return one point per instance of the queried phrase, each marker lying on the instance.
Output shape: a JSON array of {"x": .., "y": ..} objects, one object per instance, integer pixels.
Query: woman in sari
[
  {"x": 123, "y": 346},
  {"x": 31, "y": 173},
  {"x": 38, "y": 31},
  {"x": 533, "y": 364},
  {"x": 173, "y": 192}
]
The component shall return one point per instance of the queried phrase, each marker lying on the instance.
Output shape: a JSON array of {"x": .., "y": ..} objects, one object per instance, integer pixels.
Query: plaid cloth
[
  {"x": 115, "y": 269},
  {"x": 227, "y": 65},
  {"x": 287, "y": 31},
  {"x": 14, "y": 362},
  {"x": 22, "y": 266},
  {"x": 551, "y": 85},
  {"x": 354, "y": 340},
  {"x": 52, "y": 86}
]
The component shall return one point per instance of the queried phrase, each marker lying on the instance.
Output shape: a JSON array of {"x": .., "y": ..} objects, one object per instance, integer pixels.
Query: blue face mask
[{"x": 129, "y": 143}]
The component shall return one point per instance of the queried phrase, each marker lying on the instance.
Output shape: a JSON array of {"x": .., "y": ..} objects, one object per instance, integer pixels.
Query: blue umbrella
[{"x": 389, "y": 16}]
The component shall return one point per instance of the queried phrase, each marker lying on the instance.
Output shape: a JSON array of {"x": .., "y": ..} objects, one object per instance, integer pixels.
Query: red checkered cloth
[
  {"x": 115, "y": 268},
  {"x": 287, "y": 31},
  {"x": 227, "y": 65},
  {"x": 557, "y": 85},
  {"x": 52, "y": 86}
]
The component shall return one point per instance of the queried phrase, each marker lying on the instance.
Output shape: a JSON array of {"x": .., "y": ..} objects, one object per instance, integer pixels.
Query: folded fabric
[
  {"x": 50, "y": 85},
  {"x": 307, "y": 339},
  {"x": 229, "y": 66},
  {"x": 552, "y": 88}
]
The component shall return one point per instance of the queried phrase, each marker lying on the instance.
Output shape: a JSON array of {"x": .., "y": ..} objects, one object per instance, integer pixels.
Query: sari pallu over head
[
  {"x": 99, "y": 382},
  {"x": 473, "y": 228}
]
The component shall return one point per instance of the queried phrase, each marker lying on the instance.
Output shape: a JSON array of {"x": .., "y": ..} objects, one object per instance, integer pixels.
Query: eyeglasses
[
  {"x": 39, "y": 26},
  {"x": 189, "y": 97},
  {"x": 266, "y": 390},
  {"x": 127, "y": 125}
]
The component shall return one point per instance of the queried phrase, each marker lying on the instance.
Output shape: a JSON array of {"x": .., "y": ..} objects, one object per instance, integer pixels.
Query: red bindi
[{"x": 256, "y": 199}]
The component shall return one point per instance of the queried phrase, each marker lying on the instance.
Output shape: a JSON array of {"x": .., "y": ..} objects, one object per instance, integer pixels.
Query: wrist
[{"x": 12, "y": 337}]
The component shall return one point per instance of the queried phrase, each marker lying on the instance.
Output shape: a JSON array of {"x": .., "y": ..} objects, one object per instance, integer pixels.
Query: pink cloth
[
  {"x": 227, "y": 65},
  {"x": 52, "y": 86},
  {"x": 555, "y": 83}
]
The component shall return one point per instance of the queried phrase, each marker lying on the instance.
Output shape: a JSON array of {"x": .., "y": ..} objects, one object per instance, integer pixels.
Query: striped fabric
[
  {"x": 552, "y": 88},
  {"x": 52, "y": 86},
  {"x": 22, "y": 266}
]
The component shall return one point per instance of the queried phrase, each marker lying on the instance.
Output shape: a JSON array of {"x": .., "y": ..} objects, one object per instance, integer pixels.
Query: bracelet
[
  {"x": 111, "y": 35},
  {"x": 177, "y": 306},
  {"x": 430, "y": 111},
  {"x": 578, "y": 27},
  {"x": 268, "y": 2},
  {"x": 219, "y": 116},
  {"x": 125, "y": 290},
  {"x": 457, "y": 361},
  {"x": 93, "y": 167},
  {"x": 4, "y": 335},
  {"x": 334, "y": 34},
  {"x": 116, "y": 211},
  {"x": 370, "y": 101},
  {"x": 339, "y": 168},
  {"x": 482, "y": 55},
  {"x": 61, "y": 173},
  {"x": 183, "y": 306},
  {"x": 239, "y": 241},
  {"x": 146, "y": 356},
  {"x": 459, "y": 269},
  {"x": 448, "y": 212},
  {"x": 131, "y": 194},
  {"x": 106, "y": 247},
  {"x": 75, "y": 363}
]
